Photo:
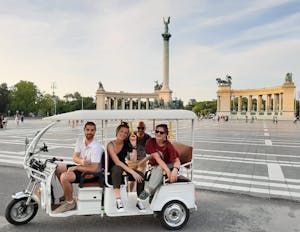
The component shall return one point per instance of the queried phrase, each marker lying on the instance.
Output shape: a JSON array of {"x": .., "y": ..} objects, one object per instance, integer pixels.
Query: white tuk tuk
[{"x": 171, "y": 202}]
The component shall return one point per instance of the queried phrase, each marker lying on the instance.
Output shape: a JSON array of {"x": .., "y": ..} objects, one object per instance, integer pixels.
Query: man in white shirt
[{"x": 87, "y": 156}]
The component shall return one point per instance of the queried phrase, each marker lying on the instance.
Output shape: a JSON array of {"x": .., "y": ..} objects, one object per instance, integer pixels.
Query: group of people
[{"x": 129, "y": 152}]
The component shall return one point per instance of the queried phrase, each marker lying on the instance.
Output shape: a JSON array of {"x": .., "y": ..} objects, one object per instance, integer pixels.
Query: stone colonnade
[
  {"x": 257, "y": 102},
  {"x": 121, "y": 100},
  {"x": 263, "y": 103}
]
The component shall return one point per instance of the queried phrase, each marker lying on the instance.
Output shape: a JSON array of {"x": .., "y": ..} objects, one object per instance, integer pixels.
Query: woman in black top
[{"x": 118, "y": 150}]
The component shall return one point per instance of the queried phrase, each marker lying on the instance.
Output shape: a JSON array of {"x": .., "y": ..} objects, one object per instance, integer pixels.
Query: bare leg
[
  {"x": 59, "y": 170},
  {"x": 66, "y": 180},
  {"x": 131, "y": 185},
  {"x": 117, "y": 193}
]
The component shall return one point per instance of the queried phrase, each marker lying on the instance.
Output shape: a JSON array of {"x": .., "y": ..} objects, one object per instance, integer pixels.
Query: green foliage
[
  {"x": 202, "y": 108},
  {"x": 45, "y": 105},
  {"x": 4, "y": 98},
  {"x": 23, "y": 97}
]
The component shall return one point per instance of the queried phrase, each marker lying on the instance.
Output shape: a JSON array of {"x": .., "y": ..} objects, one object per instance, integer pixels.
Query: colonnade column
[
  {"x": 115, "y": 103},
  {"x": 123, "y": 103},
  {"x": 109, "y": 103},
  {"x": 268, "y": 103},
  {"x": 139, "y": 103},
  {"x": 249, "y": 103},
  {"x": 275, "y": 103},
  {"x": 130, "y": 103},
  {"x": 259, "y": 102},
  {"x": 147, "y": 103},
  {"x": 280, "y": 102},
  {"x": 233, "y": 106},
  {"x": 240, "y": 104}
]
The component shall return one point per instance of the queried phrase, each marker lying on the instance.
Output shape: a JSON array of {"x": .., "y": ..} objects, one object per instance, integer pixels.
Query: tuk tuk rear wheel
[
  {"x": 18, "y": 213},
  {"x": 174, "y": 215}
]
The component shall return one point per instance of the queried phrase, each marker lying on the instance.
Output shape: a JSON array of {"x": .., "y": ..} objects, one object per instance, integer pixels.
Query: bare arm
[
  {"x": 116, "y": 160},
  {"x": 83, "y": 166},
  {"x": 133, "y": 154},
  {"x": 160, "y": 162}
]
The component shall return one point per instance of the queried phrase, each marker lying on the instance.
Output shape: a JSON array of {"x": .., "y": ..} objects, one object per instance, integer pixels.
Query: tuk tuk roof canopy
[{"x": 125, "y": 115}]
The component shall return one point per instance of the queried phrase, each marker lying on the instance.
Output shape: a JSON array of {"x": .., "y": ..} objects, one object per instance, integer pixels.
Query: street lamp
[
  {"x": 299, "y": 103},
  {"x": 53, "y": 87}
]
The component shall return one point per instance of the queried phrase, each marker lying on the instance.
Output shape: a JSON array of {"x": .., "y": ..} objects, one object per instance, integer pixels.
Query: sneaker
[
  {"x": 120, "y": 205},
  {"x": 140, "y": 207},
  {"x": 65, "y": 207},
  {"x": 143, "y": 195}
]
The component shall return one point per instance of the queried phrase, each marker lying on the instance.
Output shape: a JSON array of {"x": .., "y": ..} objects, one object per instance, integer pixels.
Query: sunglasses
[
  {"x": 141, "y": 128},
  {"x": 159, "y": 132}
]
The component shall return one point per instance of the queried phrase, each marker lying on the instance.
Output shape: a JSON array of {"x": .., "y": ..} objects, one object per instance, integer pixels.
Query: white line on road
[
  {"x": 250, "y": 182},
  {"x": 230, "y": 174},
  {"x": 266, "y": 134},
  {"x": 246, "y": 153},
  {"x": 247, "y": 161},
  {"x": 275, "y": 172},
  {"x": 268, "y": 142}
]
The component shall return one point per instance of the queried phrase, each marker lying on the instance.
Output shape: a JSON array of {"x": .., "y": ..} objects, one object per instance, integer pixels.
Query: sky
[{"x": 77, "y": 43}]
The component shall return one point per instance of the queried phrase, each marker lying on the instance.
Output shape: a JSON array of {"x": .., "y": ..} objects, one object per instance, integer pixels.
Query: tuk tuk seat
[{"x": 185, "y": 153}]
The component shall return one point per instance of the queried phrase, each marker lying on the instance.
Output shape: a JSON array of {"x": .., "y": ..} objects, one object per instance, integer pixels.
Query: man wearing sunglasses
[
  {"x": 139, "y": 164},
  {"x": 164, "y": 157}
]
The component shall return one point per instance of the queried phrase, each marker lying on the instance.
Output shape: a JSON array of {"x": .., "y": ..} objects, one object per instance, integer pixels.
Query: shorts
[{"x": 78, "y": 175}]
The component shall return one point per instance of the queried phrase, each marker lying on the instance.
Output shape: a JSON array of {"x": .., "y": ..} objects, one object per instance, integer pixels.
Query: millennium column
[{"x": 165, "y": 92}]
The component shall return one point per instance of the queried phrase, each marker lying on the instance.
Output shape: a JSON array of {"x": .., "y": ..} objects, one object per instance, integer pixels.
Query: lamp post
[
  {"x": 53, "y": 87},
  {"x": 299, "y": 104}
]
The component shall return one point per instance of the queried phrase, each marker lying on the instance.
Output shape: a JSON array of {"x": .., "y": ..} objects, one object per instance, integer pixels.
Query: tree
[
  {"x": 24, "y": 97},
  {"x": 4, "y": 96},
  {"x": 191, "y": 104},
  {"x": 45, "y": 105}
]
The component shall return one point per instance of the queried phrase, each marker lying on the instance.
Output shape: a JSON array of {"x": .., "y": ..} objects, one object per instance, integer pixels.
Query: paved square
[{"x": 259, "y": 158}]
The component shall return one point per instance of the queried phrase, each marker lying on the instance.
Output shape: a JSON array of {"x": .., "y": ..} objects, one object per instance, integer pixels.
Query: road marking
[
  {"x": 229, "y": 174},
  {"x": 250, "y": 182},
  {"x": 265, "y": 125},
  {"x": 268, "y": 142},
  {"x": 266, "y": 134},
  {"x": 246, "y": 153},
  {"x": 275, "y": 172},
  {"x": 248, "y": 161}
]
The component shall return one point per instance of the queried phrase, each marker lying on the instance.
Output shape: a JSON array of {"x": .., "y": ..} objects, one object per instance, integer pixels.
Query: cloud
[{"x": 76, "y": 44}]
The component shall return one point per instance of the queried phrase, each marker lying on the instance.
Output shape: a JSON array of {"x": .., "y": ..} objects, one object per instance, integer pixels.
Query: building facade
[{"x": 262, "y": 103}]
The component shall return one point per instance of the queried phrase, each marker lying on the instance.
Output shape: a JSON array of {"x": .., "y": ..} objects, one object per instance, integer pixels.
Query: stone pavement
[{"x": 259, "y": 158}]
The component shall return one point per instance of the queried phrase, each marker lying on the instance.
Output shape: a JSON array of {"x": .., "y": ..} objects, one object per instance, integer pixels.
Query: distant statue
[
  {"x": 100, "y": 85},
  {"x": 226, "y": 82},
  {"x": 157, "y": 86},
  {"x": 289, "y": 77},
  {"x": 166, "y": 25}
]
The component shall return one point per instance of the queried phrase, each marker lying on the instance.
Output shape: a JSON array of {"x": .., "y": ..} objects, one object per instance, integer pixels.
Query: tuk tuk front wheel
[
  {"x": 174, "y": 215},
  {"x": 18, "y": 213}
]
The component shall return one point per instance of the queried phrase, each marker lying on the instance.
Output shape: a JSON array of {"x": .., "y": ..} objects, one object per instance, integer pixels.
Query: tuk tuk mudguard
[{"x": 183, "y": 192}]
